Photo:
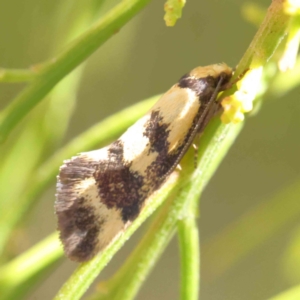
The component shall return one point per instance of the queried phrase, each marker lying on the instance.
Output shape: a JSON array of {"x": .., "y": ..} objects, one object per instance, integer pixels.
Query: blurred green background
[{"x": 143, "y": 59}]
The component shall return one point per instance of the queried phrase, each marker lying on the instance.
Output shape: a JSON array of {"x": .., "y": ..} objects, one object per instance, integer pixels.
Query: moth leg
[
  {"x": 230, "y": 84},
  {"x": 195, "y": 155},
  {"x": 216, "y": 108},
  {"x": 178, "y": 167}
]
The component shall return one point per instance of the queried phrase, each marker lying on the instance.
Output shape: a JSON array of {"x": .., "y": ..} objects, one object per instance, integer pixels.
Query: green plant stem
[
  {"x": 260, "y": 50},
  {"x": 264, "y": 44},
  {"x": 68, "y": 60},
  {"x": 94, "y": 137},
  {"x": 188, "y": 235},
  {"x": 16, "y": 75},
  {"x": 268, "y": 37},
  {"x": 211, "y": 157},
  {"x": 15, "y": 276},
  {"x": 266, "y": 40}
]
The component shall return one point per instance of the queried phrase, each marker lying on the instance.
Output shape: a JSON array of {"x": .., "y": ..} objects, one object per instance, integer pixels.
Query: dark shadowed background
[{"x": 146, "y": 58}]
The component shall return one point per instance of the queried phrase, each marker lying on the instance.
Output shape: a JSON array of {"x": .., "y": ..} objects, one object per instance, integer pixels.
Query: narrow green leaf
[
  {"x": 16, "y": 276},
  {"x": 68, "y": 60}
]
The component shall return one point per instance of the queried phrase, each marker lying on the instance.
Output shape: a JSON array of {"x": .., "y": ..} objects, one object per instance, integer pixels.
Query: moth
[{"x": 100, "y": 193}]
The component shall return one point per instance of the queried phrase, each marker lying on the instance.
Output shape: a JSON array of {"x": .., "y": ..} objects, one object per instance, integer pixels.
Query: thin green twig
[
  {"x": 188, "y": 236},
  {"x": 16, "y": 75},
  {"x": 68, "y": 60},
  {"x": 266, "y": 40},
  {"x": 16, "y": 275}
]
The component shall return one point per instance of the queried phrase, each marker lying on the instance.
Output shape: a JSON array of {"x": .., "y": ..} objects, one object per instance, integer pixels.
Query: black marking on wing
[
  {"x": 81, "y": 222},
  {"x": 157, "y": 132},
  {"x": 200, "y": 86},
  {"x": 118, "y": 185},
  {"x": 204, "y": 87},
  {"x": 78, "y": 224}
]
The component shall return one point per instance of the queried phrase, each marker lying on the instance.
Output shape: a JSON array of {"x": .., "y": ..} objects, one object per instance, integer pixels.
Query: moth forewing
[{"x": 99, "y": 193}]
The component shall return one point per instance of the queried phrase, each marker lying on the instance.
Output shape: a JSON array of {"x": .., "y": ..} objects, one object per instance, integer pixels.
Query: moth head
[{"x": 215, "y": 71}]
